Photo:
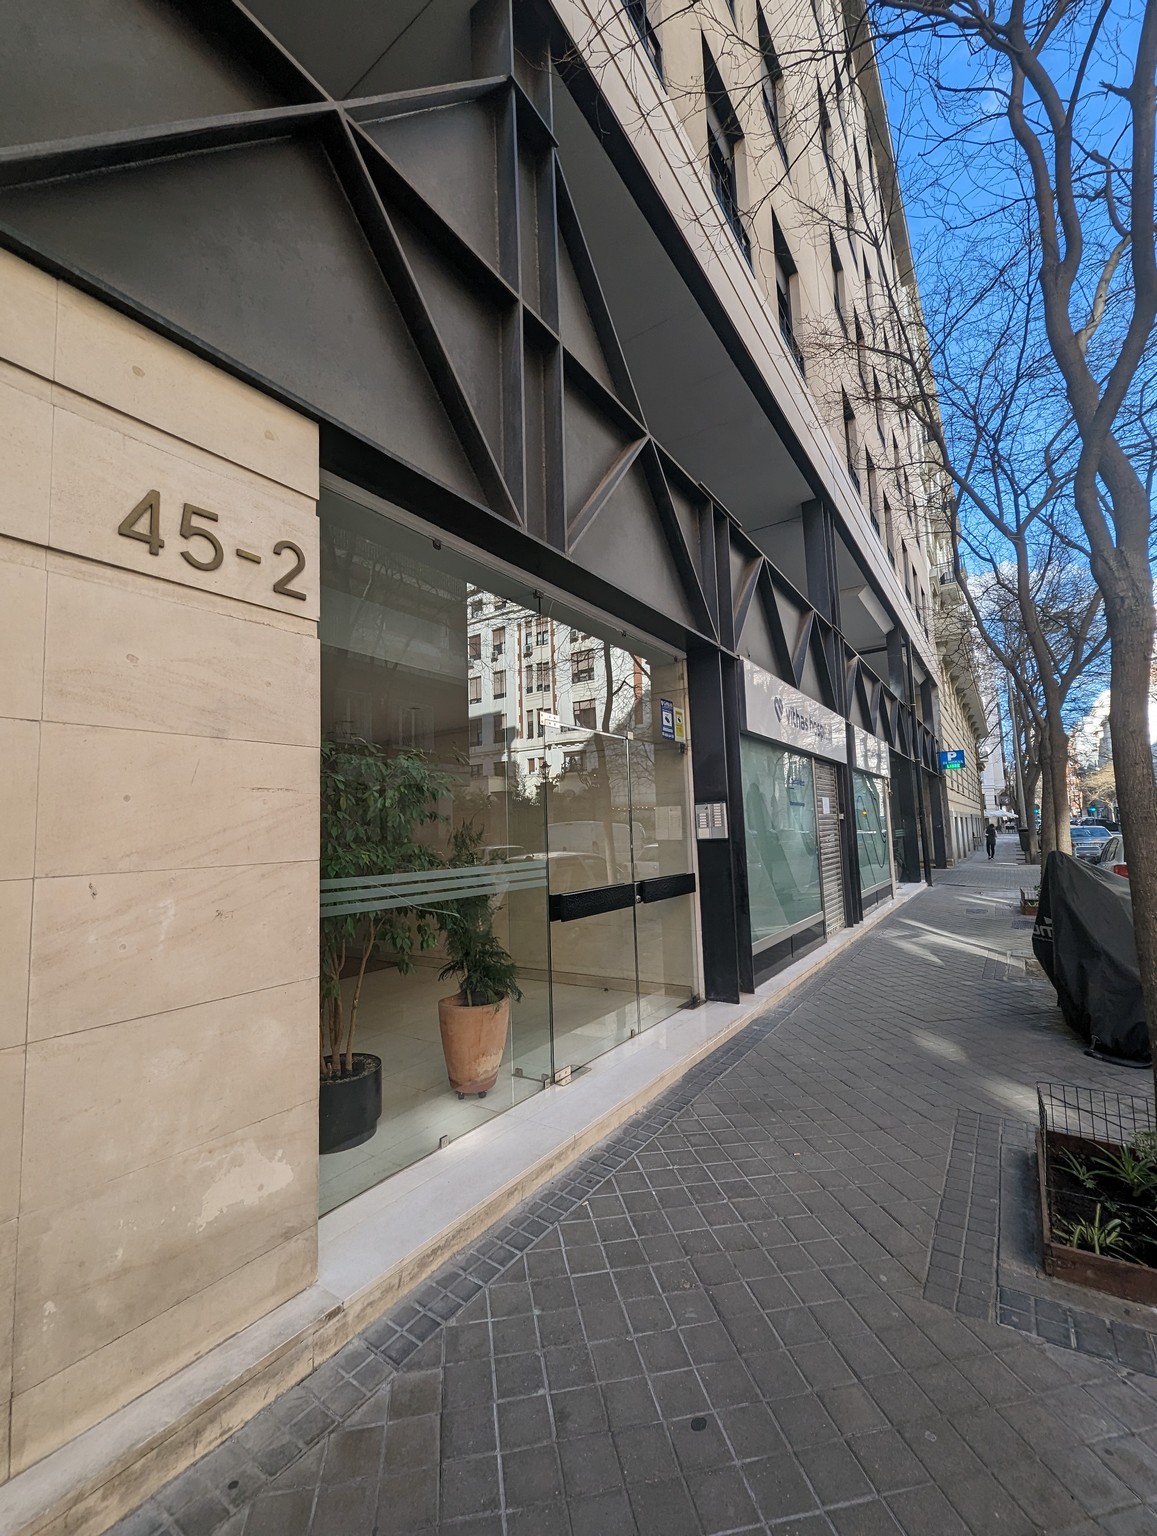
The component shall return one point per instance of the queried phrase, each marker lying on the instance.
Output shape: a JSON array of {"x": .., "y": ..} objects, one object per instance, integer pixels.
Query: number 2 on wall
[{"x": 143, "y": 523}]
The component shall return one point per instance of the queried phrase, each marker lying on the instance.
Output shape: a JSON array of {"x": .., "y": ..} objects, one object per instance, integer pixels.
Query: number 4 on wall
[{"x": 149, "y": 506}]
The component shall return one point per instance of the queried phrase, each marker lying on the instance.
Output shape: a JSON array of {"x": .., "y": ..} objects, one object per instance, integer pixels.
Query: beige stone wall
[{"x": 159, "y": 728}]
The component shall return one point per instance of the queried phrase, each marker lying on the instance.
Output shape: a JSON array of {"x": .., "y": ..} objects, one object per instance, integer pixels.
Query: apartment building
[{"x": 453, "y": 409}]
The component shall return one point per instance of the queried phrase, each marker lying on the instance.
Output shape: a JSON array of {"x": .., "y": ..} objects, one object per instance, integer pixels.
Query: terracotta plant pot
[{"x": 473, "y": 1040}]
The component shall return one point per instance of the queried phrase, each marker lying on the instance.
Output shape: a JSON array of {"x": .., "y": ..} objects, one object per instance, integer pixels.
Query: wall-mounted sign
[
  {"x": 782, "y": 713},
  {"x": 710, "y": 820},
  {"x": 870, "y": 754},
  {"x": 952, "y": 759},
  {"x": 680, "y": 724},
  {"x": 667, "y": 719}
]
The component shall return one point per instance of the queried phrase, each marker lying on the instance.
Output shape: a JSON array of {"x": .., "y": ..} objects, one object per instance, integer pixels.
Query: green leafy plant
[
  {"x": 1076, "y": 1168},
  {"x": 1132, "y": 1167},
  {"x": 484, "y": 971},
  {"x": 371, "y": 807},
  {"x": 1105, "y": 1238}
]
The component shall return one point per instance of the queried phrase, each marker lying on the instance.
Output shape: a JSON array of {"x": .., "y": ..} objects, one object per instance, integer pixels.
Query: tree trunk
[
  {"x": 1030, "y": 775},
  {"x": 1048, "y": 831},
  {"x": 1130, "y": 616},
  {"x": 1058, "y": 769}
]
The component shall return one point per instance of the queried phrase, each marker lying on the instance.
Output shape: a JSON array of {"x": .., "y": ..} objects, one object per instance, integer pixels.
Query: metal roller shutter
[{"x": 831, "y": 861}]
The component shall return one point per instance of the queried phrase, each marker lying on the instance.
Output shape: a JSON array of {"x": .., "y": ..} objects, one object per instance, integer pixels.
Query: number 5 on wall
[{"x": 188, "y": 531}]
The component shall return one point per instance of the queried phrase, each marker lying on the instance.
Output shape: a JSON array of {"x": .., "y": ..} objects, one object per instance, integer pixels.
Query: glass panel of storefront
[
  {"x": 871, "y": 830},
  {"x": 517, "y": 756},
  {"x": 783, "y": 866}
]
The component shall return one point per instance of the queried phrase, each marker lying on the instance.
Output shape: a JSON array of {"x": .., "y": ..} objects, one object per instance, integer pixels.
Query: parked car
[
  {"x": 1112, "y": 856},
  {"x": 1088, "y": 841}
]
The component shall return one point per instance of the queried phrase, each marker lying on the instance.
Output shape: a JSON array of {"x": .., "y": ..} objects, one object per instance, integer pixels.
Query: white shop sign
[
  {"x": 782, "y": 713},
  {"x": 871, "y": 754}
]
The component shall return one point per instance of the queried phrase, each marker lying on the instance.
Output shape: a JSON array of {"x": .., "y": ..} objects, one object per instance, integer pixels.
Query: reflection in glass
[
  {"x": 511, "y": 716},
  {"x": 871, "y": 830},
  {"x": 783, "y": 868},
  {"x": 417, "y": 687}
]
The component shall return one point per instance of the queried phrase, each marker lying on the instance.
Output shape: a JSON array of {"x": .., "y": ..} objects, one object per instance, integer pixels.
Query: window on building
[
  {"x": 474, "y": 647},
  {"x": 861, "y": 354},
  {"x": 888, "y": 530},
  {"x": 475, "y": 694},
  {"x": 499, "y": 604},
  {"x": 772, "y": 83},
  {"x": 870, "y": 296},
  {"x": 825, "y": 137},
  {"x": 529, "y": 677},
  {"x": 498, "y": 684},
  {"x": 544, "y": 677},
  {"x": 543, "y": 633},
  {"x": 498, "y": 642},
  {"x": 839, "y": 290},
  {"x": 841, "y": 98},
  {"x": 859, "y": 167},
  {"x": 873, "y": 494},
  {"x": 498, "y": 728},
  {"x": 849, "y": 216},
  {"x": 475, "y": 770},
  {"x": 637, "y": 11},
  {"x": 723, "y": 135},
  {"x": 582, "y": 666},
  {"x": 785, "y": 291},
  {"x": 499, "y": 768},
  {"x": 878, "y": 404},
  {"x": 851, "y": 442},
  {"x": 477, "y": 608},
  {"x": 586, "y": 715}
]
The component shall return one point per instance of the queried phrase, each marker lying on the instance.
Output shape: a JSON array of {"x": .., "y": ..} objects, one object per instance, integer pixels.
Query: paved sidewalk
[{"x": 771, "y": 1304}]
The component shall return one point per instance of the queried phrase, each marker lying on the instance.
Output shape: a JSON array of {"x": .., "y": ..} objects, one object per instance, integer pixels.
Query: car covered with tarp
[{"x": 1084, "y": 941}]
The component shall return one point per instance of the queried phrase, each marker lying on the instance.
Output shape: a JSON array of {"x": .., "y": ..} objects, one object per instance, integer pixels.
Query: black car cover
[{"x": 1084, "y": 940}]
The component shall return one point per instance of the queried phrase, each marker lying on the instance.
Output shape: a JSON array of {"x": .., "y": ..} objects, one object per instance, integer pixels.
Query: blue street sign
[
  {"x": 953, "y": 759},
  {"x": 667, "y": 719}
]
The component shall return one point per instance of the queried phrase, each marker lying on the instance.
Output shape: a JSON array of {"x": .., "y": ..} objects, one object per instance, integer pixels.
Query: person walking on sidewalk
[{"x": 990, "y": 839}]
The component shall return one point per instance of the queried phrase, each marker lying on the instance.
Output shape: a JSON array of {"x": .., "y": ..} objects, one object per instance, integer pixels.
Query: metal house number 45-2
[{"x": 144, "y": 523}]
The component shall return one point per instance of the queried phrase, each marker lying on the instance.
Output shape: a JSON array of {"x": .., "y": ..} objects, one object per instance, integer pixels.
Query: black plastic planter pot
[{"x": 350, "y": 1107}]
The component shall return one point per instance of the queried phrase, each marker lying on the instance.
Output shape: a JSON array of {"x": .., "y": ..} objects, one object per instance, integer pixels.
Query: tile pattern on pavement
[{"x": 761, "y": 1307}]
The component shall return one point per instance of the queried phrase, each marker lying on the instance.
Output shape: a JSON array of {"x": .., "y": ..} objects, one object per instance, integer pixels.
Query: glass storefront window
[
  {"x": 871, "y": 830},
  {"x": 783, "y": 867},
  {"x": 510, "y": 752}
]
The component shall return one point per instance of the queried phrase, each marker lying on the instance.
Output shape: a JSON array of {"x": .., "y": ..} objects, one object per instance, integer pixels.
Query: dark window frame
[
  {"x": 641, "y": 21},
  {"x": 786, "y": 291},
  {"x": 723, "y": 134}
]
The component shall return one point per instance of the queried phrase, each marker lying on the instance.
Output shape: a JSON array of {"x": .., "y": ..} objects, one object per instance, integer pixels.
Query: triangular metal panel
[
  {"x": 571, "y": 238},
  {"x": 470, "y": 329},
  {"x": 800, "y": 645},
  {"x": 576, "y": 327},
  {"x": 759, "y": 642},
  {"x": 102, "y": 68},
  {"x": 685, "y": 561},
  {"x": 592, "y": 445},
  {"x": 449, "y": 158},
  {"x": 625, "y": 544},
  {"x": 773, "y": 616},
  {"x": 264, "y": 262},
  {"x": 828, "y": 693}
]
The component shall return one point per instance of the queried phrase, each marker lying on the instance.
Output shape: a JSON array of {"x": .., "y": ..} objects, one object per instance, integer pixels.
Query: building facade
[{"x": 412, "y": 453}]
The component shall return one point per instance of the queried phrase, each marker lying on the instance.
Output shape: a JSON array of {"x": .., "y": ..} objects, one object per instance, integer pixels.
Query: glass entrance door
[{"x": 620, "y": 882}]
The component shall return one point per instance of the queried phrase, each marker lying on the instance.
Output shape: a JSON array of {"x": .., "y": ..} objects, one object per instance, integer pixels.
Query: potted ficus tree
[
  {"x": 474, "y": 1021},
  {"x": 372, "y": 805}
]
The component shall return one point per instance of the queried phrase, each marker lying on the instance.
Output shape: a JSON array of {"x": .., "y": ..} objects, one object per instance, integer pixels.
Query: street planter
[
  {"x": 1029, "y": 902},
  {"x": 1097, "y": 1184},
  {"x": 350, "y": 1106}
]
